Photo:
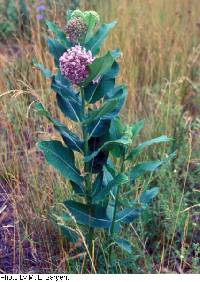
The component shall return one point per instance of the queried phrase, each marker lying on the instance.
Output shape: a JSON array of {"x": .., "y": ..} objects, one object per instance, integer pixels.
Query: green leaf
[
  {"x": 105, "y": 109},
  {"x": 61, "y": 158},
  {"x": 110, "y": 107},
  {"x": 63, "y": 220},
  {"x": 68, "y": 101},
  {"x": 78, "y": 189},
  {"x": 93, "y": 216},
  {"x": 98, "y": 127},
  {"x": 147, "y": 196},
  {"x": 119, "y": 93},
  {"x": 97, "y": 184},
  {"x": 56, "y": 50},
  {"x": 105, "y": 85},
  {"x": 70, "y": 139},
  {"x": 124, "y": 245},
  {"x": 44, "y": 71},
  {"x": 137, "y": 127},
  {"x": 61, "y": 36},
  {"x": 151, "y": 166},
  {"x": 99, "y": 66},
  {"x": 117, "y": 128},
  {"x": 128, "y": 203},
  {"x": 11, "y": 12},
  {"x": 107, "y": 145},
  {"x": 128, "y": 215},
  {"x": 91, "y": 22},
  {"x": 140, "y": 147},
  {"x": 95, "y": 43},
  {"x": 120, "y": 179}
]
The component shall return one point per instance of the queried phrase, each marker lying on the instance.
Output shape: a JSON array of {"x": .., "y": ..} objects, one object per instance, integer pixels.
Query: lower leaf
[{"x": 94, "y": 216}]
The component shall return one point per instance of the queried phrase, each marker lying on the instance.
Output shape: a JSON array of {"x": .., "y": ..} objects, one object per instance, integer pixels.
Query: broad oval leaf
[
  {"x": 98, "y": 127},
  {"x": 70, "y": 139},
  {"x": 128, "y": 215},
  {"x": 61, "y": 158},
  {"x": 94, "y": 44},
  {"x": 94, "y": 216},
  {"x": 68, "y": 101}
]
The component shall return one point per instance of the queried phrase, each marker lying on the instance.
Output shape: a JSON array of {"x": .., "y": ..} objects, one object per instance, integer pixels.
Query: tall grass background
[{"x": 160, "y": 45}]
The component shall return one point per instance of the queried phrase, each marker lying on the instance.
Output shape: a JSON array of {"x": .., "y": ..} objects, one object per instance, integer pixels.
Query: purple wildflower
[
  {"x": 39, "y": 17},
  {"x": 74, "y": 62},
  {"x": 75, "y": 29},
  {"x": 40, "y": 7}
]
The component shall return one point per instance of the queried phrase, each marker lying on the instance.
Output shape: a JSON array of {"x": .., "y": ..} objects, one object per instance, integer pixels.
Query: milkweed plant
[{"x": 98, "y": 160}]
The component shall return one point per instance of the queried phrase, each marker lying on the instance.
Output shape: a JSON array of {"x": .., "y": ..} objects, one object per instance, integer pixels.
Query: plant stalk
[
  {"x": 87, "y": 175},
  {"x": 112, "y": 229}
]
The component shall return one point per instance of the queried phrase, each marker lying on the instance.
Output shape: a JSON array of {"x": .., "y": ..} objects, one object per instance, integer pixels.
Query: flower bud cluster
[{"x": 75, "y": 29}]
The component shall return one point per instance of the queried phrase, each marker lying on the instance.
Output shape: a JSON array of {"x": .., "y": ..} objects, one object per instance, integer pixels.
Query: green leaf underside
[
  {"x": 61, "y": 158},
  {"x": 122, "y": 141},
  {"x": 96, "y": 217},
  {"x": 140, "y": 147}
]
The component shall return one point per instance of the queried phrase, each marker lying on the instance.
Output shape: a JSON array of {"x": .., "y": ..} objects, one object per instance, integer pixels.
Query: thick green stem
[
  {"x": 87, "y": 175},
  {"x": 112, "y": 229}
]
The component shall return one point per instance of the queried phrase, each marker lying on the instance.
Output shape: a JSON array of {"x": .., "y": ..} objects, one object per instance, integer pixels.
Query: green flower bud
[{"x": 77, "y": 14}]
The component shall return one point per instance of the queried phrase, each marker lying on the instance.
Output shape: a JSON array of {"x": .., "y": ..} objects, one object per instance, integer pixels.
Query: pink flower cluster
[{"x": 74, "y": 62}]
